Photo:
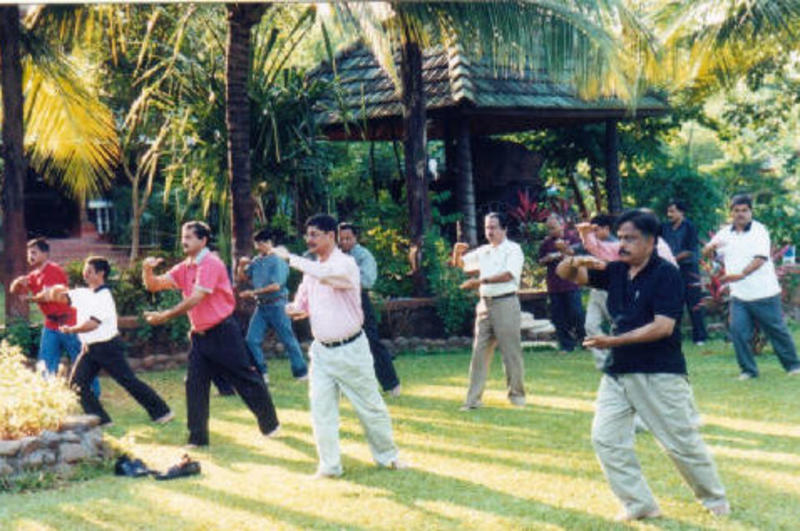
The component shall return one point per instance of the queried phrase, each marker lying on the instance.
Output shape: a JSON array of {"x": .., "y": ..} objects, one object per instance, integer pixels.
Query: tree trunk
[
  {"x": 241, "y": 19},
  {"x": 466, "y": 186},
  {"x": 613, "y": 185},
  {"x": 14, "y": 167},
  {"x": 414, "y": 142},
  {"x": 136, "y": 223},
  {"x": 596, "y": 192},
  {"x": 576, "y": 191}
]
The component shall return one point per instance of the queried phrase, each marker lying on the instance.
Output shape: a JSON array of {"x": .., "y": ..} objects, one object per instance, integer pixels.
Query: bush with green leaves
[
  {"x": 29, "y": 402},
  {"x": 454, "y": 306}
]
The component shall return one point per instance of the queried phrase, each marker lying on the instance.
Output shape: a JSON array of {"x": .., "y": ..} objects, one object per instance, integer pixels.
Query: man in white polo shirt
[
  {"x": 755, "y": 292},
  {"x": 498, "y": 265},
  {"x": 102, "y": 348}
]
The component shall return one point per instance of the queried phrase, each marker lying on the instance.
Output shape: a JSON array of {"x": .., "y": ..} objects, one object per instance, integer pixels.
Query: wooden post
[
  {"x": 613, "y": 185},
  {"x": 466, "y": 185}
]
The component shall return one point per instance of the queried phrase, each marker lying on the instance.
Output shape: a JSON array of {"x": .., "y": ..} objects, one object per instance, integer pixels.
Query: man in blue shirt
[
  {"x": 268, "y": 274},
  {"x": 681, "y": 236},
  {"x": 368, "y": 269}
]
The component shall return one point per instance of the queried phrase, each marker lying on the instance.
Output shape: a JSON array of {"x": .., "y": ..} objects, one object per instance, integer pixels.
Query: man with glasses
[{"x": 341, "y": 362}]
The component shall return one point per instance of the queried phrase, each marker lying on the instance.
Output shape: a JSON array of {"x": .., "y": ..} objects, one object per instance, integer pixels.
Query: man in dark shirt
[
  {"x": 645, "y": 373},
  {"x": 566, "y": 310},
  {"x": 681, "y": 236}
]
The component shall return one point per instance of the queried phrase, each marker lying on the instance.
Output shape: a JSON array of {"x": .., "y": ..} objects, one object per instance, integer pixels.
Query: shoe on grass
[
  {"x": 625, "y": 516},
  {"x": 163, "y": 419},
  {"x": 274, "y": 433},
  {"x": 720, "y": 509},
  {"x": 743, "y": 377},
  {"x": 794, "y": 372}
]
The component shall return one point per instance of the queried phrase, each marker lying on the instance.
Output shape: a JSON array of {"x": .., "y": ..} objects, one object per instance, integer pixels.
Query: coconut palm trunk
[
  {"x": 14, "y": 167},
  {"x": 241, "y": 19}
]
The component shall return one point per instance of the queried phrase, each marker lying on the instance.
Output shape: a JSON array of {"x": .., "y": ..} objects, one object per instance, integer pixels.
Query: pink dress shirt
[
  {"x": 331, "y": 295},
  {"x": 609, "y": 251},
  {"x": 205, "y": 273}
]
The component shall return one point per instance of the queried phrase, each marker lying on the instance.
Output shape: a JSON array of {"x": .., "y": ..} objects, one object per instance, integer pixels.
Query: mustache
[{"x": 623, "y": 252}]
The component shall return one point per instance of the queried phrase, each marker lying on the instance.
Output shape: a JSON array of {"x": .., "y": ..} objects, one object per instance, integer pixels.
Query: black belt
[
  {"x": 503, "y": 296},
  {"x": 211, "y": 330},
  {"x": 340, "y": 342}
]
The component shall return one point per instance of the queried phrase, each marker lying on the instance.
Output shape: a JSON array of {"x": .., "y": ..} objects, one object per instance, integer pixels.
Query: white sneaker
[
  {"x": 165, "y": 418},
  {"x": 274, "y": 433},
  {"x": 722, "y": 509},
  {"x": 303, "y": 378},
  {"x": 794, "y": 372},
  {"x": 266, "y": 378},
  {"x": 745, "y": 376},
  {"x": 395, "y": 391}
]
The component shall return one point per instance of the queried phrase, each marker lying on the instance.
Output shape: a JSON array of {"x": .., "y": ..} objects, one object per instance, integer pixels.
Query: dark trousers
[
  {"x": 221, "y": 351},
  {"x": 566, "y": 312},
  {"x": 109, "y": 355},
  {"x": 694, "y": 294},
  {"x": 382, "y": 359}
]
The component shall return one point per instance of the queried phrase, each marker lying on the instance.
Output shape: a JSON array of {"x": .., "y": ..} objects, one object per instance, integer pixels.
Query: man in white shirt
[
  {"x": 102, "y": 348},
  {"x": 754, "y": 288},
  {"x": 498, "y": 266}
]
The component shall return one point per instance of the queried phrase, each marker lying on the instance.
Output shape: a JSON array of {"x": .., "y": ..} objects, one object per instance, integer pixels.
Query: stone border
[{"x": 78, "y": 439}]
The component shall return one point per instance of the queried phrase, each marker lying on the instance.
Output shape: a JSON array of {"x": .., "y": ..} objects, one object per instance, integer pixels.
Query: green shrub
[
  {"x": 30, "y": 403},
  {"x": 21, "y": 334},
  {"x": 454, "y": 306}
]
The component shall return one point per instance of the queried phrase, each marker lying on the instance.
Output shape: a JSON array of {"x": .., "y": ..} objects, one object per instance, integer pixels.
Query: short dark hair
[
  {"x": 100, "y": 265},
  {"x": 265, "y": 235},
  {"x": 40, "y": 243},
  {"x": 742, "y": 199},
  {"x": 603, "y": 220},
  {"x": 324, "y": 222},
  {"x": 677, "y": 203},
  {"x": 346, "y": 225},
  {"x": 646, "y": 222},
  {"x": 200, "y": 229},
  {"x": 500, "y": 217}
]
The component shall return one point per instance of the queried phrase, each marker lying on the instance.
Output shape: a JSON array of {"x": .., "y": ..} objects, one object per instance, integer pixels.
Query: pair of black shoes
[{"x": 135, "y": 468}]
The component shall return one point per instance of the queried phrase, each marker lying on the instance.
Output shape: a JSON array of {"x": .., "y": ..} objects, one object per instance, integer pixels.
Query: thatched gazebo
[{"x": 467, "y": 99}]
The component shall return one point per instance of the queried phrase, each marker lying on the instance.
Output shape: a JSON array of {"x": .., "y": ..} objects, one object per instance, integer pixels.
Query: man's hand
[
  {"x": 589, "y": 262},
  {"x": 561, "y": 245},
  {"x": 732, "y": 277},
  {"x": 459, "y": 248},
  {"x": 155, "y": 318},
  {"x": 152, "y": 261},
  {"x": 281, "y": 252},
  {"x": 245, "y": 260},
  {"x": 470, "y": 283},
  {"x": 66, "y": 329},
  {"x": 599, "y": 341},
  {"x": 294, "y": 313},
  {"x": 247, "y": 294},
  {"x": 585, "y": 228}
]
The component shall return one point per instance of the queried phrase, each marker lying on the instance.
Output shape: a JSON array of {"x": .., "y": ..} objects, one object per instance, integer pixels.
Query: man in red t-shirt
[{"x": 45, "y": 274}]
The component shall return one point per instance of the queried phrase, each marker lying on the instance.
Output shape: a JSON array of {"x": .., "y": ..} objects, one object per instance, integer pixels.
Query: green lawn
[{"x": 494, "y": 468}]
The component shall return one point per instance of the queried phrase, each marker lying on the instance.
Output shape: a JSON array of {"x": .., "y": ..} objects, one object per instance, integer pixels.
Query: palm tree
[
  {"x": 580, "y": 41},
  {"x": 58, "y": 120},
  {"x": 241, "y": 19}
]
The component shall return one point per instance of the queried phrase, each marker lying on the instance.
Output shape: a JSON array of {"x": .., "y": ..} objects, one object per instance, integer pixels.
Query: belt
[
  {"x": 503, "y": 296},
  {"x": 340, "y": 342},
  {"x": 214, "y": 328}
]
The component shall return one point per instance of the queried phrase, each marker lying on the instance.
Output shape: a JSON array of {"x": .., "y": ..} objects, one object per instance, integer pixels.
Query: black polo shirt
[{"x": 632, "y": 303}]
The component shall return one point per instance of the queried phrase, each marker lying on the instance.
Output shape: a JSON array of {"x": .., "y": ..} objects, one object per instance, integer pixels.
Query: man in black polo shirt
[{"x": 646, "y": 371}]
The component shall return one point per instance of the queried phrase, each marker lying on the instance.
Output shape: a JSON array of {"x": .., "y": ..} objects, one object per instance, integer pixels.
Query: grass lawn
[{"x": 494, "y": 468}]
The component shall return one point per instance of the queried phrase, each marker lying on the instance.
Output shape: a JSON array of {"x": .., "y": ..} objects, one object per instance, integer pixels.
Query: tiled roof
[{"x": 452, "y": 79}]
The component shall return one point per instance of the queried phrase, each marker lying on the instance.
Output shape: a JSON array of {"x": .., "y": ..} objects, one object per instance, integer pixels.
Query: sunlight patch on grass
[
  {"x": 760, "y": 456},
  {"x": 561, "y": 402},
  {"x": 759, "y": 427},
  {"x": 475, "y": 519}
]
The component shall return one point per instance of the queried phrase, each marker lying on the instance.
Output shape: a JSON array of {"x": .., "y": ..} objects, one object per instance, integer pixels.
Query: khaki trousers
[
  {"x": 497, "y": 323},
  {"x": 596, "y": 313},
  {"x": 663, "y": 401},
  {"x": 347, "y": 369}
]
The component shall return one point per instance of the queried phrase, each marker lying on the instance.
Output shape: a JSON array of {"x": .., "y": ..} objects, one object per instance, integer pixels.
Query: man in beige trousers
[
  {"x": 498, "y": 265},
  {"x": 645, "y": 373}
]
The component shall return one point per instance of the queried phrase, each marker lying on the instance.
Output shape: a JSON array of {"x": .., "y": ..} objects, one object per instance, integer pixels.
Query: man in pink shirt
[
  {"x": 217, "y": 343},
  {"x": 330, "y": 296}
]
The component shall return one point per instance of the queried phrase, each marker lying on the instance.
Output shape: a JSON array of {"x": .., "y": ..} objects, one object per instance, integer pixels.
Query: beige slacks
[
  {"x": 663, "y": 401},
  {"x": 497, "y": 323}
]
